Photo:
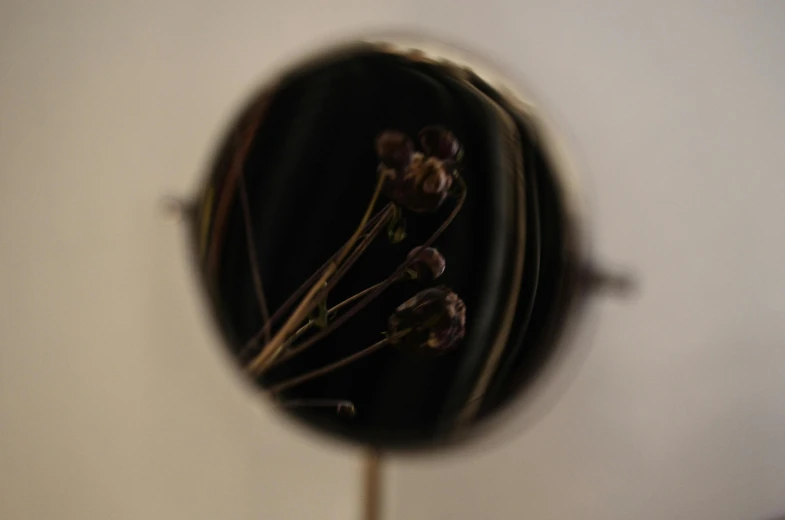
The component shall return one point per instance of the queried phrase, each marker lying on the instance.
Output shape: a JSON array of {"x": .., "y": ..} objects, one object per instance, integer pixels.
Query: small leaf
[
  {"x": 396, "y": 228},
  {"x": 346, "y": 410},
  {"x": 319, "y": 317},
  {"x": 399, "y": 235}
]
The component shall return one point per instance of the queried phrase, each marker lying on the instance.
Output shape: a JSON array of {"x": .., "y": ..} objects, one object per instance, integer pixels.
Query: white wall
[{"x": 116, "y": 401}]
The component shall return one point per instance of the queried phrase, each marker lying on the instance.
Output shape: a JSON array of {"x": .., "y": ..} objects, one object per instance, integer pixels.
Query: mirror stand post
[{"x": 371, "y": 485}]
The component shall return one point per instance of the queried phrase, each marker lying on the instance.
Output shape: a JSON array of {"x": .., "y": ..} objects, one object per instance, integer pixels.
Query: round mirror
[{"x": 387, "y": 245}]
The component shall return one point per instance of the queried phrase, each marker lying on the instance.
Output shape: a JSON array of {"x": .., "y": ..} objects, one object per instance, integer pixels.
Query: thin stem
[
  {"x": 366, "y": 241},
  {"x": 252, "y": 259},
  {"x": 309, "y": 301},
  {"x": 337, "y": 307},
  {"x": 361, "y": 227},
  {"x": 243, "y": 141},
  {"x": 369, "y": 237},
  {"x": 270, "y": 349},
  {"x": 280, "y": 387},
  {"x": 278, "y": 314},
  {"x": 330, "y": 312},
  {"x": 381, "y": 287}
]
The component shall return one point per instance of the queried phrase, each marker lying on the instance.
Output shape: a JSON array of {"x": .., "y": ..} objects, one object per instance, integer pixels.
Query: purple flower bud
[
  {"x": 422, "y": 187},
  {"x": 428, "y": 263},
  {"x": 394, "y": 149},
  {"x": 435, "y": 319},
  {"x": 437, "y": 141}
]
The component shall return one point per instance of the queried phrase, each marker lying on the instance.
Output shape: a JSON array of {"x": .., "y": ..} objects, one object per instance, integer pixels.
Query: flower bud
[
  {"x": 432, "y": 322},
  {"x": 437, "y": 141},
  {"x": 394, "y": 149},
  {"x": 428, "y": 263},
  {"x": 423, "y": 187}
]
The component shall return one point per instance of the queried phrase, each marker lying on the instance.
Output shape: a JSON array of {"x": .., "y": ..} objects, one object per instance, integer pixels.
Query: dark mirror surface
[{"x": 384, "y": 244}]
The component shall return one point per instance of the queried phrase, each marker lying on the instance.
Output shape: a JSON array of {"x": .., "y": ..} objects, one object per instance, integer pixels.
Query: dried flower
[
  {"x": 421, "y": 187},
  {"x": 428, "y": 263},
  {"x": 435, "y": 318},
  {"x": 394, "y": 149},
  {"x": 437, "y": 141},
  {"x": 416, "y": 181}
]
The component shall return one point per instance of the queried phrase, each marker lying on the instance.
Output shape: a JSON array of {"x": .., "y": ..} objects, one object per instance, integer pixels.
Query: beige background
[{"x": 116, "y": 402}]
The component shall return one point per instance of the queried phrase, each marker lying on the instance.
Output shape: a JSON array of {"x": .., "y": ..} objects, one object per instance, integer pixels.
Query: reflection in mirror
[{"x": 386, "y": 246}]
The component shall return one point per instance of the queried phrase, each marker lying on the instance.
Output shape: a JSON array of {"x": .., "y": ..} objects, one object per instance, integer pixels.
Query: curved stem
[
  {"x": 243, "y": 142},
  {"x": 381, "y": 287},
  {"x": 338, "y": 364},
  {"x": 252, "y": 259},
  {"x": 309, "y": 301}
]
